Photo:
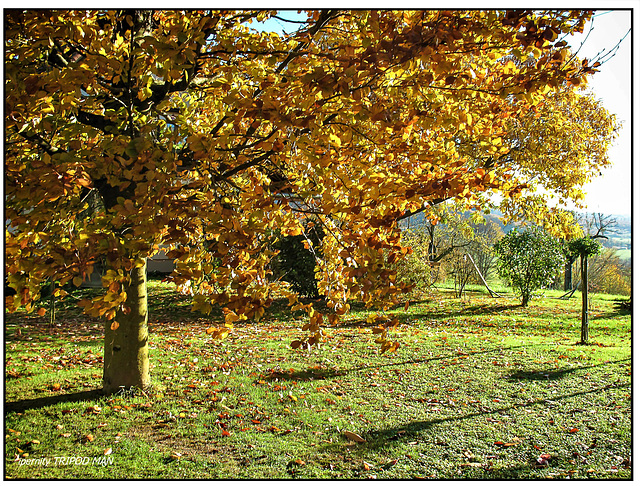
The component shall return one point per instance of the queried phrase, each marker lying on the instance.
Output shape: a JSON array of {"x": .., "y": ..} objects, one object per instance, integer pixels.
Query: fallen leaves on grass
[
  {"x": 543, "y": 460},
  {"x": 505, "y": 444}
]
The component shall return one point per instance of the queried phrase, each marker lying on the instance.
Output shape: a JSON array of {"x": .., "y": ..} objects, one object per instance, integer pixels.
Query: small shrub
[{"x": 529, "y": 260}]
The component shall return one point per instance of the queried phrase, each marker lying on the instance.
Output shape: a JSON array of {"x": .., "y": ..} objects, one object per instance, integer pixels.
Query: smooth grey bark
[{"x": 126, "y": 350}]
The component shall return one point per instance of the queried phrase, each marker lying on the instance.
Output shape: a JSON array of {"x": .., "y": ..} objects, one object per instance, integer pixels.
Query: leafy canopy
[
  {"x": 585, "y": 246},
  {"x": 203, "y": 136}
]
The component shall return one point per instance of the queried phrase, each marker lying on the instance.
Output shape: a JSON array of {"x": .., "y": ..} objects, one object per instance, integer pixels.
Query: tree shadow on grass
[
  {"x": 610, "y": 315},
  {"x": 311, "y": 374},
  {"x": 474, "y": 310},
  {"x": 33, "y": 403},
  {"x": 380, "y": 438},
  {"x": 554, "y": 374},
  {"x": 317, "y": 373}
]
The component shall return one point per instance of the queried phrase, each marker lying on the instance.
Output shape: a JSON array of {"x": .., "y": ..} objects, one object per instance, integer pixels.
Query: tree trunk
[
  {"x": 126, "y": 352},
  {"x": 584, "y": 332},
  {"x": 568, "y": 280}
]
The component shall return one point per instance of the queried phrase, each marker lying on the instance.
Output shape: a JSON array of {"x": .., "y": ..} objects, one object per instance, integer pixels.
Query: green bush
[{"x": 529, "y": 260}]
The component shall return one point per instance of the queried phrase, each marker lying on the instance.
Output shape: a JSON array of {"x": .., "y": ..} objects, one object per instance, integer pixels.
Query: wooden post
[
  {"x": 584, "y": 333},
  {"x": 52, "y": 304},
  {"x": 491, "y": 292}
]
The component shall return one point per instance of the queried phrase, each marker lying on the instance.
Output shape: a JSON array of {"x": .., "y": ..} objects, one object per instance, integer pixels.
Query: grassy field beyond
[{"x": 480, "y": 388}]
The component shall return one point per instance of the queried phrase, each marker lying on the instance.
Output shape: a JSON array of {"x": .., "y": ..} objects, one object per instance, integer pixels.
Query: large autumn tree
[{"x": 199, "y": 134}]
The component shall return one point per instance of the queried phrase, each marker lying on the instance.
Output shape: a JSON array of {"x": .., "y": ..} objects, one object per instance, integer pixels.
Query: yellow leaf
[
  {"x": 77, "y": 281},
  {"x": 335, "y": 140}
]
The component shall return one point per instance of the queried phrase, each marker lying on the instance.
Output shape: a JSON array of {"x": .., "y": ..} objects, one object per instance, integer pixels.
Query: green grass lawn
[{"x": 480, "y": 388}]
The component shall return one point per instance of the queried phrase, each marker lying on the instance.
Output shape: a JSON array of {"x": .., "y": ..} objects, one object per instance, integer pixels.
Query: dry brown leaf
[{"x": 354, "y": 437}]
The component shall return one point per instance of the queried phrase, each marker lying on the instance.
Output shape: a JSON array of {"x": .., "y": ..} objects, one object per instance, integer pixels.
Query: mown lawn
[{"x": 480, "y": 388}]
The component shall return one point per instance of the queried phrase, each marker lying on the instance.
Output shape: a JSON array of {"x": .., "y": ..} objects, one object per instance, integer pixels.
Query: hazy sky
[{"x": 611, "y": 192}]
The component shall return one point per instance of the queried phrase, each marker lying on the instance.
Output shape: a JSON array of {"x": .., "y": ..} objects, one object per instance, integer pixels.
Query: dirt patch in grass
[{"x": 173, "y": 446}]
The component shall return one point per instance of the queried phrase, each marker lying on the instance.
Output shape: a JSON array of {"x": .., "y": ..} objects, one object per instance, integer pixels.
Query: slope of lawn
[{"x": 480, "y": 388}]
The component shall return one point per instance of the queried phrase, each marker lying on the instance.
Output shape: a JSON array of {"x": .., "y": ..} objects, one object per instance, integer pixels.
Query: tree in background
[
  {"x": 597, "y": 225},
  {"x": 461, "y": 269},
  {"x": 211, "y": 139},
  {"x": 609, "y": 274},
  {"x": 297, "y": 259},
  {"x": 417, "y": 269},
  {"x": 529, "y": 260},
  {"x": 486, "y": 234},
  {"x": 452, "y": 242}
]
